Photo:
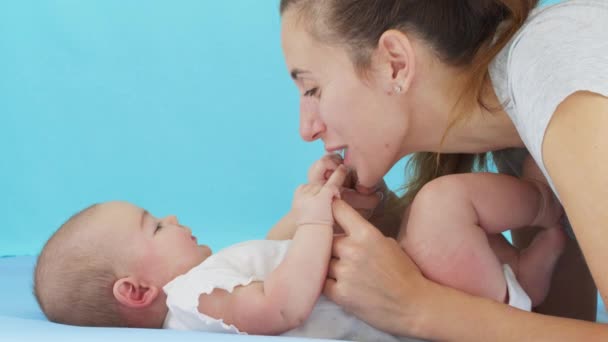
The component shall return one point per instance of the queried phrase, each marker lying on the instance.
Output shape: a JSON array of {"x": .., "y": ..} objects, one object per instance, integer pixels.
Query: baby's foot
[{"x": 537, "y": 262}]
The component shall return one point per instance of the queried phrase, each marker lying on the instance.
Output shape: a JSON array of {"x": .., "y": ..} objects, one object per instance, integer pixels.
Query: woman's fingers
[
  {"x": 364, "y": 204},
  {"x": 351, "y": 221},
  {"x": 331, "y": 271},
  {"x": 370, "y": 275}
]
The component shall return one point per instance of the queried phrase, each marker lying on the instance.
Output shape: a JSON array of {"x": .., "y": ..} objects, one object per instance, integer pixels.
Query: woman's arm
[
  {"x": 372, "y": 277},
  {"x": 575, "y": 152},
  {"x": 467, "y": 318}
]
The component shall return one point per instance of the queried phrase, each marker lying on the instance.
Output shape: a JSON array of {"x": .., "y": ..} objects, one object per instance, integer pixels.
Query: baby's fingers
[
  {"x": 322, "y": 169},
  {"x": 333, "y": 190},
  {"x": 337, "y": 177}
]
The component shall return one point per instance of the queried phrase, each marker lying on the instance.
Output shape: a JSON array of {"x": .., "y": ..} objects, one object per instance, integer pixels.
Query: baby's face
[{"x": 157, "y": 250}]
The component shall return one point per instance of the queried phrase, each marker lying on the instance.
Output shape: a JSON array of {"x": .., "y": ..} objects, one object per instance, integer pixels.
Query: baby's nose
[{"x": 171, "y": 219}]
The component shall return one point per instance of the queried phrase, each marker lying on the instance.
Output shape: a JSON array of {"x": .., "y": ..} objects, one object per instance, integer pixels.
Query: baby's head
[{"x": 107, "y": 265}]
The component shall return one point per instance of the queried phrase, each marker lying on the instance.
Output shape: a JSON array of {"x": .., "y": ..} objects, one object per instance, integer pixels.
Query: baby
[
  {"x": 451, "y": 230},
  {"x": 114, "y": 264}
]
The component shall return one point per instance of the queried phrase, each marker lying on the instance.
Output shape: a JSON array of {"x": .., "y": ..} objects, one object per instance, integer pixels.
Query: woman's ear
[
  {"x": 132, "y": 293},
  {"x": 396, "y": 61}
]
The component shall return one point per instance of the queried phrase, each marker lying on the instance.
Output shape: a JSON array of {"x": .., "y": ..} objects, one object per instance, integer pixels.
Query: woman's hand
[{"x": 372, "y": 277}]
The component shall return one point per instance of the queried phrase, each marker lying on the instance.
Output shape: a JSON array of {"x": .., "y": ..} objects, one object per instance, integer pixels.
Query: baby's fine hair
[{"x": 73, "y": 279}]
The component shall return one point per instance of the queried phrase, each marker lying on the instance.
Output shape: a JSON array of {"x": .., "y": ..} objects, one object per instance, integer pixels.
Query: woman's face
[{"x": 362, "y": 117}]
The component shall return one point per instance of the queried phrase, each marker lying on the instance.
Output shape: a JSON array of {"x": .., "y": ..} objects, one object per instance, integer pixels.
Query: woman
[{"x": 384, "y": 79}]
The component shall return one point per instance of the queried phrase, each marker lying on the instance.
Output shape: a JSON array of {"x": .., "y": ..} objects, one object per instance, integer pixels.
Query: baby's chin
[
  {"x": 362, "y": 189},
  {"x": 205, "y": 252}
]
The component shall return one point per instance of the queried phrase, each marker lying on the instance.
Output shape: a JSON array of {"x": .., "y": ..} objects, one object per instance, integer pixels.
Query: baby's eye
[
  {"x": 159, "y": 225},
  {"x": 311, "y": 92}
]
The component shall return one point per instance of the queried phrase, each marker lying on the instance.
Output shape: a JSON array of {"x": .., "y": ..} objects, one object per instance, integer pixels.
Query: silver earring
[{"x": 397, "y": 89}]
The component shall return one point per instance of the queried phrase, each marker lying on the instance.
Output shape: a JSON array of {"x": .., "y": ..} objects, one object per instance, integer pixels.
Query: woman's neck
[
  {"x": 484, "y": 131},
  {"x": 487, "y": 127}
]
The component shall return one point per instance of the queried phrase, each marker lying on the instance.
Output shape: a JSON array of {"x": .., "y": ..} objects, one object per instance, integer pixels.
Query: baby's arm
[
  {"x": 287, "y": 296},
  {"x": 318, "y": 173},
  {"x": 450, "y": 217},
  {"x": 365, "y": 203},
  {"x": 285, "y": 229}
]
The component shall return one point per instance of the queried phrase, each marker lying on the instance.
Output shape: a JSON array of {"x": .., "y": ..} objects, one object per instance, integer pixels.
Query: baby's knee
[
  {"x": 437, "y": 202},
  {"x": 428, "y": 221},
  {"x": 442, "y": 191}
]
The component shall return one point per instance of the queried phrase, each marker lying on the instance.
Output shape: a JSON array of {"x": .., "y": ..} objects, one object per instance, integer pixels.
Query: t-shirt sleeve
[{"x": 562, "y": 50}]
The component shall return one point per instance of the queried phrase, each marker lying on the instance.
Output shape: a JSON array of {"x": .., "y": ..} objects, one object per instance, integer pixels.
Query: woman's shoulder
[
  {"x": 560, "y": 49},
  {"x": 571, "y": 20},
  {"x": 564, "y": 11},
  {"x": 574, "y": 20}
]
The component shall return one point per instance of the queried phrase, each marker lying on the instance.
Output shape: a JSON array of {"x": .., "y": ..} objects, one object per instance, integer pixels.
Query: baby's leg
[
  {"x": 537, "y": 262},
  {"x": 443, "y": 237},
  {"x": 534, "y": 265},
  {"x": 446, "y": 232}
]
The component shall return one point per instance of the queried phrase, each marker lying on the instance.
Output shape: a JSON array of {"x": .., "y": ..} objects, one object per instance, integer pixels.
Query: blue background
[{"x": 182, "y": 107}]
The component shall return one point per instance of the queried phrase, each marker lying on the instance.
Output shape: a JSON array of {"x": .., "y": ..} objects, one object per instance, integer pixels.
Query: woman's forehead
[{"x": 306, "y": 57}]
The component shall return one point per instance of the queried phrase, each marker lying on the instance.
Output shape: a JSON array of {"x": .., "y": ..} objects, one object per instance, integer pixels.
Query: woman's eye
[
  {"x": 159, "y": 225},
  {"x": 311, "y": 92}
]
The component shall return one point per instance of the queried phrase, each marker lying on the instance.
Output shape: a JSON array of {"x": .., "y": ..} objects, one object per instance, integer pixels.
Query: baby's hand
[
  {"x": 321, "y": 170},
  {"x": 312, "y": 202},
  {"x": 364, "y": 200}
]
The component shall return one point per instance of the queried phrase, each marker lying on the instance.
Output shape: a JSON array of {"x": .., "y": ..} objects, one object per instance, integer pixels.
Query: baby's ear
[{"x": 132, "y": 293}]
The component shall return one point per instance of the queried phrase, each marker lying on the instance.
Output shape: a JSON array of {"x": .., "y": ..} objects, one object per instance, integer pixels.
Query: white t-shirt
[{"x": 561, "y": 49}]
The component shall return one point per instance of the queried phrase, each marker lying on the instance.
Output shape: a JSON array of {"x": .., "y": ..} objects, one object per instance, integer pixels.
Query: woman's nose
[{"x": 311, "y": 125}]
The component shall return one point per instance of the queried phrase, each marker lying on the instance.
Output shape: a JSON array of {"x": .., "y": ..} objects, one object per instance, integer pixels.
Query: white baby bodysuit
[
  {"x": 240, "y": 265},
  {"x": 251, "y": 261}
]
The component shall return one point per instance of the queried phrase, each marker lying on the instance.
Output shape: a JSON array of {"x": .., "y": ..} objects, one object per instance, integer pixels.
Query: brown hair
[
  {"x": 466, "y": 33},
  {"x": 73, "y": 280}
]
